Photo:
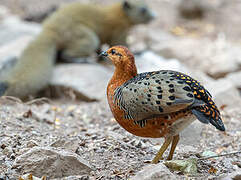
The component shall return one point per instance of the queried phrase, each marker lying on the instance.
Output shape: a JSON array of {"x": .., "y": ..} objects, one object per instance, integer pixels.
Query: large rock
[
  {"x": 154, "y": 172},
  {"x": 89, "y": 80},
  {"x": 15, "y": 35},
  {"x": 15, "y": 23},
  {"x": 4, "y": 12},
  {"x": 216, "y": 58},
  {"x": 70, "y": 144},
  {"x": 224, "y": 92},
  {"x": 235, "y": 78},
  {"x": 150, "y": 61},
  {"x": 45, "y": 161},
  {"x": 12, "y": 49}
]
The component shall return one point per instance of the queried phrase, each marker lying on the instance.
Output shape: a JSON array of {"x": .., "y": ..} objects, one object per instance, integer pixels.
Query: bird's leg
[
  {"x": 173, "y": 147},
  {"x": 162, "y": 150}
]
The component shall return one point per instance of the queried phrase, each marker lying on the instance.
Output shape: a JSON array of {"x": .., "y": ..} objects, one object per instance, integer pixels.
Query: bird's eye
[{"x": 113, "y": 51}]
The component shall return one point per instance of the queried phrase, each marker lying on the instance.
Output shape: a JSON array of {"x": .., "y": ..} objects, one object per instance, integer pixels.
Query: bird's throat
[{"x": 121, "y": 75}]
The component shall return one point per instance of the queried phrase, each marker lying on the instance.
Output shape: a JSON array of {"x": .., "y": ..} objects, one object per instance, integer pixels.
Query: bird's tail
[
  {"x": 209, "y": 113},
  {"x": 3, "y": 88}
]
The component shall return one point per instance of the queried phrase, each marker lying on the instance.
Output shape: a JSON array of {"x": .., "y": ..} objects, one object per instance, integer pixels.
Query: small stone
[
  {"x": 7, "y": 151},
  {"x": 188, "y": 166},
  {"x": 100, "y": 150},
  {"x": 208, "y": 154},
  {"x": 138, "y": 143},
  {"x": 5, "y": 141},
  {"x": 51, "y": 162},
  {"x": 154, "y": 172},
  {"x": 76, "y": 178},
  {"x": 43, "y": 117},
  {"x": 12, "y": 156},
  {"x": 31, "y": 144},
  {"x": 3, "y": 146}
]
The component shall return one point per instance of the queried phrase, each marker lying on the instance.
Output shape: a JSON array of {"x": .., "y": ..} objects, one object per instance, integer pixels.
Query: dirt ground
[
  {"x": 89, "y": 129},
  {"x": 95, "y": 136}
]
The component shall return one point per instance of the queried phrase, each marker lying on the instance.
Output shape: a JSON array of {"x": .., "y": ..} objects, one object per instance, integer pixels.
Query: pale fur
[{"x": 77, "y": 30}]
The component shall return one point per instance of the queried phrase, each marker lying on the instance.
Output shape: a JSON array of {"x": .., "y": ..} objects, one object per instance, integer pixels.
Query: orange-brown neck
[
  {"x": 122, "y": 74},
  {"x": 119, "y": 77}
]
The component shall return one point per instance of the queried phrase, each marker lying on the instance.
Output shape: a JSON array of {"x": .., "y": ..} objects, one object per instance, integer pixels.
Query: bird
[{"x": 156, "y": 104}]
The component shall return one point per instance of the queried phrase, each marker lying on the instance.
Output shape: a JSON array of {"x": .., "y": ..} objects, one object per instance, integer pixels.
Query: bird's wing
[{"x": 153, "y": 94}]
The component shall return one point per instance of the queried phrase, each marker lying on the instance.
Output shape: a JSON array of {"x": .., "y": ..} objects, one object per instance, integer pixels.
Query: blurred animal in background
[
  {"x": 157, "y": 104},
  {"x": 74, "y": 31}
]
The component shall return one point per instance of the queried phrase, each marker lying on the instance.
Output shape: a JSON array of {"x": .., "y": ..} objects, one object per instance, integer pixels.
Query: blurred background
[{"x": 200, "y": 38}]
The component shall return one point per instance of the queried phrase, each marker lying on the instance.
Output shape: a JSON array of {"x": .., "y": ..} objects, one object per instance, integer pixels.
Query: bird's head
[
  {"x": 122, "y": 58},
  {"x": 119, "y": 55}
]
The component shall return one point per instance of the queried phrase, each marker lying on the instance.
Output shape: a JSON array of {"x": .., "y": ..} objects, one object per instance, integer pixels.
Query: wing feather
[{"x": 154, "y": 93}]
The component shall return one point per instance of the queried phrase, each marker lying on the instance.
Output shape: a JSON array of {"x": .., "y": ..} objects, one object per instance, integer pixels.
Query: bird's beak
[{"x": 103, "y": 54}]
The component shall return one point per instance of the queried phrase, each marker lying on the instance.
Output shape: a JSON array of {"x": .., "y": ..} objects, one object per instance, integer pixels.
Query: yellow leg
[
  {"x": 173, "y": 147},
  {"x": 162, "y": 150}
]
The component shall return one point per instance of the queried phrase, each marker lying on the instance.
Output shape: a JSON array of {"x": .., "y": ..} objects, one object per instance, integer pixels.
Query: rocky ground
[{"x": 72, "y": 135}]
